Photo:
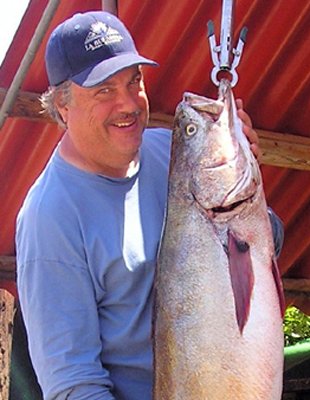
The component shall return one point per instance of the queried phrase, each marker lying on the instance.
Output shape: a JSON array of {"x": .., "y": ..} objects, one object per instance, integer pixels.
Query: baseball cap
[{"x": 90, "y": 47}]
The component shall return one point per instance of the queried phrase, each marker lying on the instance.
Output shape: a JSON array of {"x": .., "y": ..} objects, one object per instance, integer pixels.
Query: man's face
[{"x": 106, "y": 122}]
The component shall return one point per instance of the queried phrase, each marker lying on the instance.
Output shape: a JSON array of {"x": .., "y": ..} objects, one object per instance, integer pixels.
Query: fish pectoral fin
[
  {"x": 242, "y": 277},
  {"x": 279, "y": 286}
]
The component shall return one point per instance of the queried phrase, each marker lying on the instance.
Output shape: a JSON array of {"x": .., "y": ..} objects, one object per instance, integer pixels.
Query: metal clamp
[{"x": 224, "y": 56}]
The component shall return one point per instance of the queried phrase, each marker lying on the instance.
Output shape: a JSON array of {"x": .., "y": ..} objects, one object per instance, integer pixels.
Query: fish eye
[{"x": 191, "y": 129}]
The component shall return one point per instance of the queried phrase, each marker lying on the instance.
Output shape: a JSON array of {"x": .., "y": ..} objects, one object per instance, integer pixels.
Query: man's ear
[{"x": 62, "y": 110}]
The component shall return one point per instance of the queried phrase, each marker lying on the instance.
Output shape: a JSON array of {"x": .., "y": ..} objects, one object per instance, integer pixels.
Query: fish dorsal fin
[{"x": 242, "y": 277}]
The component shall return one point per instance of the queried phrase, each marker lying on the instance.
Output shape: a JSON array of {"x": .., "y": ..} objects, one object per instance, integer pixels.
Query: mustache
[{"x": 124, "y": 115}]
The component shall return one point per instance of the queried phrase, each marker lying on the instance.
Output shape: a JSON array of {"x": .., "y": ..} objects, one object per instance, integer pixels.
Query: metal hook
[{"x": 224, "y": 56}]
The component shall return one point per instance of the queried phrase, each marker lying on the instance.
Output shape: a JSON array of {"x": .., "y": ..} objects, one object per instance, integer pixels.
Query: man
[{"x": 88, "y": 232}]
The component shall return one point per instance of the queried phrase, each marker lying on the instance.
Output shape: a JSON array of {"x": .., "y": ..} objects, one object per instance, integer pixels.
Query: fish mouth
[
  {"x": 230, "y": 207},
  {"x": 222, "y": 210}
]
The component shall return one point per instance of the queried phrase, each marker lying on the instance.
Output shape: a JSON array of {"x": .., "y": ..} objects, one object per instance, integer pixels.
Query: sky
[{"x": 11, "y": 12}]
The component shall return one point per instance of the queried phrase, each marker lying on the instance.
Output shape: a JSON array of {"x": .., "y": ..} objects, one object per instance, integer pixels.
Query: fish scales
[{"x": 217, "y": 325}]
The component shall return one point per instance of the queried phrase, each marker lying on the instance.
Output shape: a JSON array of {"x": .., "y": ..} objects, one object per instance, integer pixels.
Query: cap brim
[{"x": 100, "y": 72}]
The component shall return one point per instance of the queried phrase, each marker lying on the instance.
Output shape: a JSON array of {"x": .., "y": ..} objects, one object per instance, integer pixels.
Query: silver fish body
[{"x": 217, "y": 315}]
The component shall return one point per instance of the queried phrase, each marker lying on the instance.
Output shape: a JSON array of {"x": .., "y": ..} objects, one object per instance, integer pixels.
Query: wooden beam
[
  {"x": 285, "y": 150},
  {"x": 7, "y": 268},
  {"x": 27, "y": 105},
  {"x": 279, "y": 149},
  {"x": 297, "y": 285}
]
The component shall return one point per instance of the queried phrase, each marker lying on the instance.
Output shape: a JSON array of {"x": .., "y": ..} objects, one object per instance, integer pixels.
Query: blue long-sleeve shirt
[{"x": 86, "y": 251}]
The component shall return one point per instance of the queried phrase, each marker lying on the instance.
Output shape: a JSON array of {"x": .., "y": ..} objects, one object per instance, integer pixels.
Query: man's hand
[{"x": 248, "y": 130}]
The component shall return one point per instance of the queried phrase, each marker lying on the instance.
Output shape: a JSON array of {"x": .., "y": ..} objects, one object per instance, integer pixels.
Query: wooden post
[
  {"x": 6, "y": 332},
  {"x": 110, "y": 6}
]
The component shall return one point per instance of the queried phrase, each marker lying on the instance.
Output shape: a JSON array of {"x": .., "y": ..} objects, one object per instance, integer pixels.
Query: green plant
[{"x": 296, "y": 326}]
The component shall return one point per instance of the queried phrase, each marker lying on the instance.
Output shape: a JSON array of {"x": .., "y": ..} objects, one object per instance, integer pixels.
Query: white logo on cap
[{"x": 100, "y": 35}]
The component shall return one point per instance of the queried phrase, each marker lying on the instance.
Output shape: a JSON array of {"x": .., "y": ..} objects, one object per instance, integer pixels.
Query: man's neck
[{"x": 124, "y": 169}]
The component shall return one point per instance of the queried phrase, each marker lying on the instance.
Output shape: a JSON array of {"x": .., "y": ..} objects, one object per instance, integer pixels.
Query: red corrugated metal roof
[{"x": 274, "y": 84}]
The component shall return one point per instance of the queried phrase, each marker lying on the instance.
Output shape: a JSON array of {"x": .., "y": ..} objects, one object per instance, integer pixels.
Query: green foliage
[{"x": 296, "y": 326}]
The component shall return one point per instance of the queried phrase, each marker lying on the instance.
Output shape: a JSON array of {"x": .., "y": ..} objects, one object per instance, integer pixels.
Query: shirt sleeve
[
  {"x": 60, "y": 314},
  {"x": 277, "y": 231},
  {"x": 84, "y": 392}
]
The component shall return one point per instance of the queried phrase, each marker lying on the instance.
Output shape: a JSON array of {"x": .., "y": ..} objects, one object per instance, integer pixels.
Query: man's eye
[
  {"x": 136, "y": 80},
  {"x": 105, "y": 90}
]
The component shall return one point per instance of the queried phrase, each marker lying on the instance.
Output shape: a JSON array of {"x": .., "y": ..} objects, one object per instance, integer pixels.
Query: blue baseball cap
[{"x": 89, "y": 48}]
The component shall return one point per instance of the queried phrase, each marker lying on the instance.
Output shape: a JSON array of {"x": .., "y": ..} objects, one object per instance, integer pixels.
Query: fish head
[
  {"x": 190, "y": 126},
  {"x": 211, "y": 151}
]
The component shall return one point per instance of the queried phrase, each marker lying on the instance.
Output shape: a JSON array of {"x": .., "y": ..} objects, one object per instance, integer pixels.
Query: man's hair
[{"x": 55, "y": 96}]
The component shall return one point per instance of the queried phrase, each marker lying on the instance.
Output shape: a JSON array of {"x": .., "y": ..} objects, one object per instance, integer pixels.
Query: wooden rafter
[
  {"x": 7, "y": 268},
  {"x": 279, "y": 149}
]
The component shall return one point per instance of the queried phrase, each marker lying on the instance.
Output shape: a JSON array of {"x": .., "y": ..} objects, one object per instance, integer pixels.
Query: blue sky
[{"x": 11, "y": 12}]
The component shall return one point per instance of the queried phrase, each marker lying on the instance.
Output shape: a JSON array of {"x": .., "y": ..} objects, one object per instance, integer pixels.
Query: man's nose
[{"x": 127, "y": 101}]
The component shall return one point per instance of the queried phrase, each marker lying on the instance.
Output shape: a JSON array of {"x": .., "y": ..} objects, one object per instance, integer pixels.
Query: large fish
[{"x": 218, "y": 307}]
